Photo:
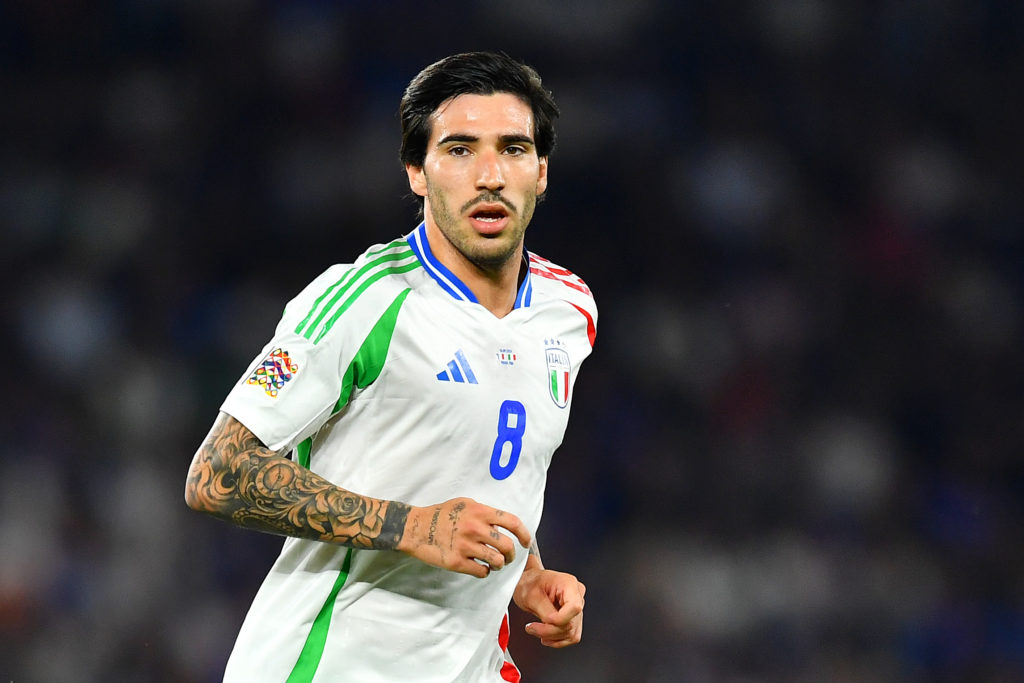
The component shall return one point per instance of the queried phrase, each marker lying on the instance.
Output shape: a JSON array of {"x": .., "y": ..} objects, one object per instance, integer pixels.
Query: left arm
[{"x": 553, "y": 597}]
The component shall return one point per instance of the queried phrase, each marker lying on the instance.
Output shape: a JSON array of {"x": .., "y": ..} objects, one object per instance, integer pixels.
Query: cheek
[{"x": 446, "y": 176}]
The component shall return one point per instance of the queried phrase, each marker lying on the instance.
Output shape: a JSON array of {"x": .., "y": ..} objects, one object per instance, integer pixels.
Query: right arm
[{"x": 235, "y": 477}]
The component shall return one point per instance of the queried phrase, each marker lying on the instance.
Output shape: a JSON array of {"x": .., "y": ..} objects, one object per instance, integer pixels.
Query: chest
[
  {"x": 461, "y": 346},
  {"x": 465, "y": 404}
]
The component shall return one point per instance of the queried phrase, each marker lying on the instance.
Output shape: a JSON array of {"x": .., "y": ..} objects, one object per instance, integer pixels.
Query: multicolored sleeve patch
[{"x": 274, "y": 372}]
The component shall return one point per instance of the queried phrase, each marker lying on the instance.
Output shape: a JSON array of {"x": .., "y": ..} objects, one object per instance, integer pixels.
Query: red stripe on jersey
[
  {"x": 503, "y": 634},
  {"x": 541, "y": 266},
  {"x": 568, "y": 283},
  {"x": 556, "y": 269},
  {"x": 591, "y": 328},
  {"x": 509, "y": 672}
]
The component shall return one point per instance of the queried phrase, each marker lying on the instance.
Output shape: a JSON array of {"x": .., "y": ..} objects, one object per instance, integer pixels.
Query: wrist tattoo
[{"x": 393, "y": 528}]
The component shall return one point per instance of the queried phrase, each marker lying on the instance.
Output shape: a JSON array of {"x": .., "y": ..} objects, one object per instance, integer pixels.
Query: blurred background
[{"x": 796, "y": 453}]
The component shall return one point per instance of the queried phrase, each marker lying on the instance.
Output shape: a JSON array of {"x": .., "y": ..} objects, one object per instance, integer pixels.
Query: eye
[
  {"x": 515, "y": 150},
  {"x": 458, "y": 151}
]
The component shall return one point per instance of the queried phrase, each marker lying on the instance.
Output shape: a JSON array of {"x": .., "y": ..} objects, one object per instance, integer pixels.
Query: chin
[{"x": 492, "y": 258}]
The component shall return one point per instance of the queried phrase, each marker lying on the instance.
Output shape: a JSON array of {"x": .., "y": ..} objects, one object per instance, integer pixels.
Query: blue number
[{"x": 508, "y": 433}]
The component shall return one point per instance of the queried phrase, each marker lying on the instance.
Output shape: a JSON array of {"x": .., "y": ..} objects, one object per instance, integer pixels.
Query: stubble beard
[{"x": 486, "y": 253}]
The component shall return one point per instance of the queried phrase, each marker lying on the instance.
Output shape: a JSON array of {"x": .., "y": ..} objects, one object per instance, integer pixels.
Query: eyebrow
[{"x": 505, "y": 139}]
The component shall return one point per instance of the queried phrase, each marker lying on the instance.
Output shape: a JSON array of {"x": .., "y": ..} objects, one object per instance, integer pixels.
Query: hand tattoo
[
  {"x": 453, "y": 517},
  {"x": 433, "y": 526},
  {"x": 235, "y": 477}
]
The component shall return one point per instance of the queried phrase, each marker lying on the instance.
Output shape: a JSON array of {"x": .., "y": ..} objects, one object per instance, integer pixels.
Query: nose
[{"x": 489, "y": 173}]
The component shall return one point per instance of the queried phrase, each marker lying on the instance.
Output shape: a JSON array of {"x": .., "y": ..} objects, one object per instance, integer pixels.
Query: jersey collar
[{"x": 449, "y": 282}]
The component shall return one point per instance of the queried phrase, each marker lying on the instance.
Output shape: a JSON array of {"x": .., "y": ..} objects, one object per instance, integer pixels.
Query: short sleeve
[{"x": 290, "y": 389}]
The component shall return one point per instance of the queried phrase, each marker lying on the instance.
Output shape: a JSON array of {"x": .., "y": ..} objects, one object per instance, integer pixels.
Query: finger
[
  {"x": 479, "y": 553},
  {"x": 548, "y": 631},
  {"x": 474, "y": 568},
  {"x": 560, "y": 640},
  {"x": 567, "y": 611},
  {"x": 510, "y": 522},
  {"x": 565, "y": 642},
  {"x": 568, "y": 636},
  {"x": 563, "y": 618},
  {"x": 544, "y": 609},
  {"x": 494, "y": 558},
  {"x": 502, "y": 544},
  {"x": 539, "y": 604}
]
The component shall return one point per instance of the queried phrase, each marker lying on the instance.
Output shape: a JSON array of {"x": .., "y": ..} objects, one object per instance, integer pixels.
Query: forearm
[{"x": 235, "y": 477}]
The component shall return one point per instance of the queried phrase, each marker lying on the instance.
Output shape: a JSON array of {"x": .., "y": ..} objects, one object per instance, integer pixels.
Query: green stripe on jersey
[
  {"x": 345, "y": 275},
  {"x": 365, "y": 368},
  {"x": 336, "y": 298},
  {"x": 302, "y": 451},
  {"x": 364, "y": 284},
  {"x": 313, "y": 649}
]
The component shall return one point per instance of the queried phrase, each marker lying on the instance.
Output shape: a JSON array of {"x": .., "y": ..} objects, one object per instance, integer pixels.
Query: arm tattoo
[{"x": 236, "y": 478}]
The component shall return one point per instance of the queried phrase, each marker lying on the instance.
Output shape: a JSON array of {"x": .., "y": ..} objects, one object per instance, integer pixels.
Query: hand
[
  {"x": 556, "y": 599},
  {"x": 463, "y": 535}
]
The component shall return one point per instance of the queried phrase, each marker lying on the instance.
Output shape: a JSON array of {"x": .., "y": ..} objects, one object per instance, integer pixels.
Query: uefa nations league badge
[
  {"x": 273, "y": 372},
  {"x": 559, "y": 367}
]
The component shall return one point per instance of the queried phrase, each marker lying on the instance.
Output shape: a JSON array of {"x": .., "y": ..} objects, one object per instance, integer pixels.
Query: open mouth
[
  {"x": 489, "y": 214},
  {"x": 489, "y": 219}
]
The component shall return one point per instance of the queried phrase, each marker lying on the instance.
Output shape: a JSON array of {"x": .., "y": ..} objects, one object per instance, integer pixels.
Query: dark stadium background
[{"x": 796, "y": 452}]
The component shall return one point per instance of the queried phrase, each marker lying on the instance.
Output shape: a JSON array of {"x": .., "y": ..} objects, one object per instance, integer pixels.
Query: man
[{"x": 421, "y": 392}]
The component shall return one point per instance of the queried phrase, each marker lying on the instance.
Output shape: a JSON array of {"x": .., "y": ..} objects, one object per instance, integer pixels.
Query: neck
[
  {"x": 495, "y": 288},
  {"x": 497, "y": 291}
]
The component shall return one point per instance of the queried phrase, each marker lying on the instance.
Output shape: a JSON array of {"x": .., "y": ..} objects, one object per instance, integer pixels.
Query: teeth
[{"x": 488, "y": 219}]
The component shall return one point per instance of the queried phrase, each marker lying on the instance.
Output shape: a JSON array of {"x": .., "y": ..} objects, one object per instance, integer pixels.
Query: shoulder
[
  {"x": 557, "y": 282},
  {"x": 561, "y": 282},
  {"x": 361, "y": 290}
]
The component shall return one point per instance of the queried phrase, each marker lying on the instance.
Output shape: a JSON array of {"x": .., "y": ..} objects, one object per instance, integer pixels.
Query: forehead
[{"x": 480, "y": 115}]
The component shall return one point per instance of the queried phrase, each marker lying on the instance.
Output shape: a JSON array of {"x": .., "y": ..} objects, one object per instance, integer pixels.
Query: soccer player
[{"x": 399, "y": 425}]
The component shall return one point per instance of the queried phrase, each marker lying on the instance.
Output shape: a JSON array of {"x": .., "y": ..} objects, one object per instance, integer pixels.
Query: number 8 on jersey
[{"x": 511, "y": 427}]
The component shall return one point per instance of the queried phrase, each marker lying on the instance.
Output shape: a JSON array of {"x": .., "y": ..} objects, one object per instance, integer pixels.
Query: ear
[
  {"x": 542, "y": 176},
  {"x": 417, "y": 179}
]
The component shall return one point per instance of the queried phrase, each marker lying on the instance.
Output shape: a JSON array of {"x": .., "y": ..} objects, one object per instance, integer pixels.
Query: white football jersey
[{"x": 387, "y": 378}]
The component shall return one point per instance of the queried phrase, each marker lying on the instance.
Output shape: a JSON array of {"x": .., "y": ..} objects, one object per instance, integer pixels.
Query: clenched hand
[
  {"x": 463, "y": 535},
  {"x": 556, "y": 598}
]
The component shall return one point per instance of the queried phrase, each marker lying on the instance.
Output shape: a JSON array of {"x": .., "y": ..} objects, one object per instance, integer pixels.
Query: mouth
[{"x": 489, "y": 219}]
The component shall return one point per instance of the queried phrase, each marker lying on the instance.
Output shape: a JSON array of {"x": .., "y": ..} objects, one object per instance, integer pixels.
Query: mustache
[{"x": 488, "y": 197}]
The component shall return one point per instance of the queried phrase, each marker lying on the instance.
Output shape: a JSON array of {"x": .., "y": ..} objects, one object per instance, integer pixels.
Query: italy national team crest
[
  {"x": 559, "y": 368},
  {"x": 274, "y": 372}
]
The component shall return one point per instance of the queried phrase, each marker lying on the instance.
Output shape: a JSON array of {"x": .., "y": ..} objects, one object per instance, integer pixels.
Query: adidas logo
[{"x": 458, "y": 370}]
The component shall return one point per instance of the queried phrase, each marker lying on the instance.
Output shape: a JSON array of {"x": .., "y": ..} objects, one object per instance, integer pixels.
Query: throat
[{"x": 497, "y": 289}]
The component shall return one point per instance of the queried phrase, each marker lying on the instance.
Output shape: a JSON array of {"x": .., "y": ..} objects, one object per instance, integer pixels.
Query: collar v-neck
[{"x": 448, "y": 281}]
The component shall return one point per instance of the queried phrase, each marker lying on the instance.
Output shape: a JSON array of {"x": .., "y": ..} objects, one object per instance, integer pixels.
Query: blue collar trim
[{"x": 448, "y": 281}]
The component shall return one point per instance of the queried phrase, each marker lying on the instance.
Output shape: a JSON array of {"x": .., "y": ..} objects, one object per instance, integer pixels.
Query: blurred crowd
[{"x": 798, "y": 450}]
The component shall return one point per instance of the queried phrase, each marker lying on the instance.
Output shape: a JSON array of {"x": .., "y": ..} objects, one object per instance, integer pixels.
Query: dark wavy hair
[{"x": 472, "y": 73}]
